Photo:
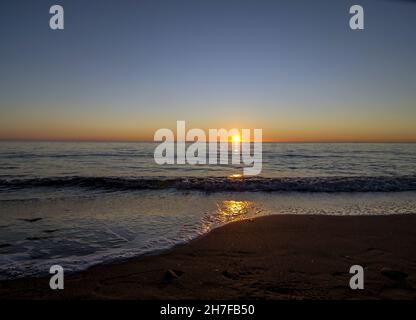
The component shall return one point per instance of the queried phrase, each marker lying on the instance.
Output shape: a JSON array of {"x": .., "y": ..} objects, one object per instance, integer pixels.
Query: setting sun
[{"x": 236, "y": 138}]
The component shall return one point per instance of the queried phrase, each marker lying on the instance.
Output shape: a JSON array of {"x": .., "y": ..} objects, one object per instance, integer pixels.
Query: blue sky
[{"x": 123, "y": 69}]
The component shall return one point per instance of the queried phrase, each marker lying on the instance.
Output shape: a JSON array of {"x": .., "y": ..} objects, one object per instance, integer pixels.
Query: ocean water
[{"x": 79, "y": 204}]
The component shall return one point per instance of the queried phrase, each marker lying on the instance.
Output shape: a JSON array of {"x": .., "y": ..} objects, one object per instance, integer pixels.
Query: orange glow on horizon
[
  {"x": 147, "y": 138},
  {"x": 136, "y": 132}
]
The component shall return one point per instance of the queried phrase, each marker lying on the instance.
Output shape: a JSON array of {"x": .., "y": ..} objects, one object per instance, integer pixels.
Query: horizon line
[{"x": 151, "y": 141}]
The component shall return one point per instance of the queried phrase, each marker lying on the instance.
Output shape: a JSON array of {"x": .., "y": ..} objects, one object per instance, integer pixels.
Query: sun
[{"x": 236, "y": 138}]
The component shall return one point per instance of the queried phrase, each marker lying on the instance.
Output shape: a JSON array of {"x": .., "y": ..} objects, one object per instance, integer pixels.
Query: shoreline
[{"x": 268, "y": 257}]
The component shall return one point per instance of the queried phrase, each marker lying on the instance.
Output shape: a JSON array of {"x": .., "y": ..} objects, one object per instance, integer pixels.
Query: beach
[{"x": 270, "y": 257}]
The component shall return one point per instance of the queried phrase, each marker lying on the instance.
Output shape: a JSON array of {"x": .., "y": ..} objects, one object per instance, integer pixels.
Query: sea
[{"x": 78, "y": 204}]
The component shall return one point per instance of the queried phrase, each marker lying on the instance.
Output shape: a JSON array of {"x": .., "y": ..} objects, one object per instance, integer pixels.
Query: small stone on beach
[{"x": 172, "y": 275}]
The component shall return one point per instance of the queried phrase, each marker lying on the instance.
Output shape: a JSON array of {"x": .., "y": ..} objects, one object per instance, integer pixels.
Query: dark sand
[{"x": 273, "y": 257}]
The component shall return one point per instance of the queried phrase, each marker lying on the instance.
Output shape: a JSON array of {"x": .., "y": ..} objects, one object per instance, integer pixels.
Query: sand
[{"x": 272, "y": 257}]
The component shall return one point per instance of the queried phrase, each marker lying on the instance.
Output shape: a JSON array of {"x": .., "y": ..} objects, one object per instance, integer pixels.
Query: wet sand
[{"x": 272, "y": 257}]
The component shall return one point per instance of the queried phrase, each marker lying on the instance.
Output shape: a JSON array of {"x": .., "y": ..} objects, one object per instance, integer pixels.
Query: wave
[{"x": 217, "y": 184}]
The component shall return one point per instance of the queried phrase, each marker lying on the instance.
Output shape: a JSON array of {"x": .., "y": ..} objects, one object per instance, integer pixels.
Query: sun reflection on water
[{"x": 232, "y": 210}]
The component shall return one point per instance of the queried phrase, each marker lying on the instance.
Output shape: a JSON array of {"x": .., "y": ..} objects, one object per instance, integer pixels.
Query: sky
[{"x": 122, "y": 69}]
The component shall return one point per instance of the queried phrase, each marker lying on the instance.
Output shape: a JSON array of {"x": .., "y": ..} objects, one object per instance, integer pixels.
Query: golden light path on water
[{"x": 232, "y": 210}]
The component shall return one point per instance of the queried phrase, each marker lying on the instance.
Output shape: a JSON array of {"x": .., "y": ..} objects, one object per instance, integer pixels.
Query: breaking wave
[{"x": 217, "y": 184}]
